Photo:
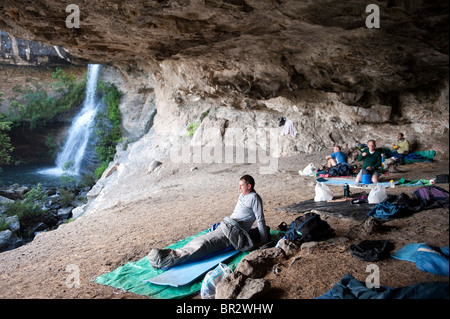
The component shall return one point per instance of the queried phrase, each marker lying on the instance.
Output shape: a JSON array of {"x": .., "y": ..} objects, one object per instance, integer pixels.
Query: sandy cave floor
[{"x": 183, "y": 200}]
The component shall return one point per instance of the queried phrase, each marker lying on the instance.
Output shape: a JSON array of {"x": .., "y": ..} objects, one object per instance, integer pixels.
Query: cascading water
[{"x": 80, "y": 130}]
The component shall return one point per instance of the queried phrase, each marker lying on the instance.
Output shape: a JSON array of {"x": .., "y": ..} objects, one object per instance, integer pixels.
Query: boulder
[
  {"x": 256, "y": 264},
  {"x": 64, "y": 213},
  {"x": 6, "y": 194},
  {"x": 5, "y": 235},
  {"x": 14, "y": 191},
  {"x": 239, "y": 286},
  {"x": 153, "y": 166},
  {"x": 13, "y": 222},
  {"x": 9, "y": 241},
  {"x": 5, "y": 200},
  {"x": 254, "y": 289},
  {"x": 245, "y": 282},
  {"x": 78, "y": 211},
  {"x": 288, "y": 246},
  {"x": 230, "y": 286}
]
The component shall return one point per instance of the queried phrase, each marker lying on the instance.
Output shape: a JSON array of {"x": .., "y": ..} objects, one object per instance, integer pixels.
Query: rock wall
[{"x": 17, "y": 51}]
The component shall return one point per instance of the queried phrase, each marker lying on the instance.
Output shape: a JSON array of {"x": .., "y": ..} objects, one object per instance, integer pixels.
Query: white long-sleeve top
[
  {"x": 248, "y": 209},
  {"x": 289, "y": 128}
]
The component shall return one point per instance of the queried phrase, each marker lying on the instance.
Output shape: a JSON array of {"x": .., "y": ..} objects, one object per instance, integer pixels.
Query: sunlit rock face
[{"x": 247, "y": 63}]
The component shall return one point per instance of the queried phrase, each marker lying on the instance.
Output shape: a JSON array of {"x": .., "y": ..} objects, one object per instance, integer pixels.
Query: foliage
[
  {"x": 99, "y": 171},
  {"x": 195, "y": 125},
  {"x": 86, "y": 180},
  {"x": 39, "y": 108},
  {"x": 35, "y": 194},
  {"x": 30, "y": 206},
  {"x": 3, "y": 223},
  {"x": 5, "y": 141},
  {"x": 52, "y": 146},
  {"x": 108, "y": 126},
  {"x": 68, "y": 177},
  {"x": 192, "y": 128},
  {"x": 65, "y": 197},
  {"x": 111, "y": 97}
]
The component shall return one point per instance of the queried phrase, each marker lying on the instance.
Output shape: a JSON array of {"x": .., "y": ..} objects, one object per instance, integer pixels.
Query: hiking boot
[{"x": 161, "y": 258}]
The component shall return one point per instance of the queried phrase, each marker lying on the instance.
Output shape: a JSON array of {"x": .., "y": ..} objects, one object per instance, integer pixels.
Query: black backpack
[{"x": 309, "y": 227}]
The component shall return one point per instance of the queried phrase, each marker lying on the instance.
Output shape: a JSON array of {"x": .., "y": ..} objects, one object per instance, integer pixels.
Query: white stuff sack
[
  {"x": 212, "y": 278},
  {"x": 323, "y": 193},
  {"x": 309, "y": 170},
  {"x": 377, "y": 194}
]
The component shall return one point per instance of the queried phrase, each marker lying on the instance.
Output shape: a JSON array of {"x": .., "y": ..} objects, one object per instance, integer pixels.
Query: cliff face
[
  {"x": 16, "y": 51},
  {"x": 238, "y": 66}
]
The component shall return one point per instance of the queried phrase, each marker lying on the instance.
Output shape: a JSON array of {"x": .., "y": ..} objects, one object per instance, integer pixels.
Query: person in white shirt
[{"x": 232, "y": 231}]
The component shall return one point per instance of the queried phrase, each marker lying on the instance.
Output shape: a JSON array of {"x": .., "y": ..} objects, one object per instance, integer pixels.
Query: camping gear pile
[
  {"x": 381, "y": 207},
  {"x": 204, "y": 276}
]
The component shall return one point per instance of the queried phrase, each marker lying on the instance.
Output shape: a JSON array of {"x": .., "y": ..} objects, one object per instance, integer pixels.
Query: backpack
[
  {"x": 341, "y": 169},
  {"x": 309, "y": 227},
  {"x": 442, "y": 178},
  {"x": 432, "y": 196}
]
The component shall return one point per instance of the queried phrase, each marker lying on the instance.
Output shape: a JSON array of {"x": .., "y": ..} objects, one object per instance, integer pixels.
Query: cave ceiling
[{"x": 318, "y": 44}]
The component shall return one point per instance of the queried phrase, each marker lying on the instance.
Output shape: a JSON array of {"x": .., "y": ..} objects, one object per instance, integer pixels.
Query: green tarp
[
  {"x": 130, "y": 276},
  {"x": 418, "y": 182}
]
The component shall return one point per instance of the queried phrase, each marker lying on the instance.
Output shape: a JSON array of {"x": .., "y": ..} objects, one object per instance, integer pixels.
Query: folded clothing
[
  {"x": 426, "y": 257},
  {"x": 350, "y": 288},
  {"x": 433, "y": 260},
  {"x": 372, "y": 250}
]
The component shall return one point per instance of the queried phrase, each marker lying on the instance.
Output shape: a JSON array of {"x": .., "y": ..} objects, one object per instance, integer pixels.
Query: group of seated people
[{"x": 371, "y": 157}]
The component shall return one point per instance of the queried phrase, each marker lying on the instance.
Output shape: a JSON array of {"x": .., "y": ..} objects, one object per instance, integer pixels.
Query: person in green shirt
[{"x": 371, "y": 158}]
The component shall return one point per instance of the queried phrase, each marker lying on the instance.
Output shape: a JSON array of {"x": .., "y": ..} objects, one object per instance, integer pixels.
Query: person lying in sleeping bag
[{"x": 232, "y": 231}]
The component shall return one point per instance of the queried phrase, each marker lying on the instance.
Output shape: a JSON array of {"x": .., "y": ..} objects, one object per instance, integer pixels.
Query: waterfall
[{"x": 80, "y": 130}]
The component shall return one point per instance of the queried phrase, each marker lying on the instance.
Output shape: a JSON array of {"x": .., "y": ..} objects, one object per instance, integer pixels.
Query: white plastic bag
[
  {"x": 309, "y": 170},
  {"x": 323, "y": 193},
  {"x": 212, "y": 278},
  {"x": 377, "y": 194}
]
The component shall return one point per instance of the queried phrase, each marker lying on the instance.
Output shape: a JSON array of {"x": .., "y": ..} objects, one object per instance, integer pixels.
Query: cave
[{"x": 232, "y": 68}]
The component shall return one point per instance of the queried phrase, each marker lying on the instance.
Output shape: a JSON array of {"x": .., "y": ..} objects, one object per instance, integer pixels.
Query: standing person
[
  {"x": 338, "y": 157},
  {"x": 371, "y": 158},
  {"x": 402, "y": 147},
  {"x": 232, "y": 231}
]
